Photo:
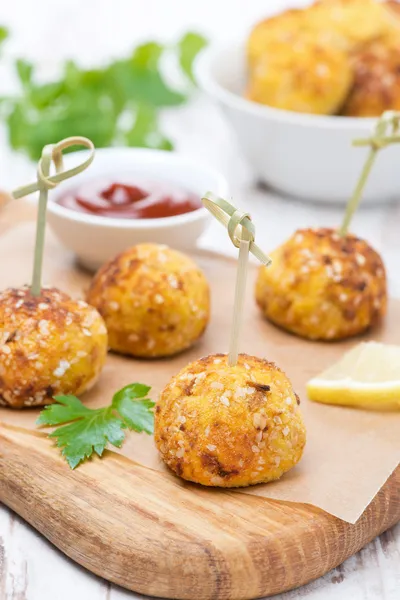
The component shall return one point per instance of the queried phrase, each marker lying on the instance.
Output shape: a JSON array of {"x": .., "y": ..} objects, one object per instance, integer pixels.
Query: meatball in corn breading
[
  {"x": 49, "y": 345},
  {"x": 345, "y": 24},
  {"x": 356, "y": 22},
  {"x": 155, "y": 301},
  {"x": 323, "y": 286},
  {"x": 226, "y": 426},
  {"x": 394, "y": 7},
  {"x": 271, "y": 32},
  {"x": 376, "y": 85},
  {"x": 303, "y": 76}
]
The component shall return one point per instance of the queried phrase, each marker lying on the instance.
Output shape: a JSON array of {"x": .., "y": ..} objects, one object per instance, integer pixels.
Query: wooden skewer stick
[
  {"x": 379, "y": 140},
  {"x": 44, "y": 165},
  {"x": 44, "y": 183},
  {"x": 241, "y": 278},
  {"x": 242, "y": 234},
  {"x": 354, "y": 201}
]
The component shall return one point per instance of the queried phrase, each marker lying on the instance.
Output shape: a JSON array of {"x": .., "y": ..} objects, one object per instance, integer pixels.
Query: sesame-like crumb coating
[
  {"x": 393, "y": 6},
  {"x": 155, "y": 301},
  {"x": 229, "y": 426},
  {"x": 323, "y": 286},
  {"x": 376, "y": 86},
  {"x": 280, "y": 28},
  {"x": 310, "y": 60},
  {"x": 346, "y": 24},
  {"x": 49, "y": 345},
  {"x": 356, "y": 21},
  {"x": 303, "y": 76}
]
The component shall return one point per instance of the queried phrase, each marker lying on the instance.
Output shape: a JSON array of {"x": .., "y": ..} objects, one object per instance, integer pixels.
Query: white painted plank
[{"x": 32, "y": 569}]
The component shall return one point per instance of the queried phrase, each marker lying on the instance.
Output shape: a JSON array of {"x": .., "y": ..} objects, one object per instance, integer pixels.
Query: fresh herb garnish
[
  {"x": 117, "y": 104},
  {"x": 81, "y": 431},
  {"x": 189, "y": 46},
  {"x": 3, "y": 34}
]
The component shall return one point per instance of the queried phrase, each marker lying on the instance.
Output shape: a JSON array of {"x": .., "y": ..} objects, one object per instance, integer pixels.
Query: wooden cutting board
[
  {"x": 155, "y": 534},
  {"x": 159, "y": 536}
]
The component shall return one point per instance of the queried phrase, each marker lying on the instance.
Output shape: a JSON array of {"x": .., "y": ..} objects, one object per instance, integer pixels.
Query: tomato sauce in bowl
[{"x": 127, "y": 198}]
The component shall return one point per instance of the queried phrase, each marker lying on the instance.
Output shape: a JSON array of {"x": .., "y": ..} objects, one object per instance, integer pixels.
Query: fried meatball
[
  {"x": 4, "y": 199},
  {"x": 354, "y": 21},
  {"x": 322, "y": 286},
  {"x": 394, "y": 7},
  {"x": 281, "y": 28},
  {"x": 303, "y": 76},
  {"x": 155, "y": 301},
  {"x": 229, "y": 426},
  {"x": 290, "y": 27},
  {"x": 376, "y": 86},
  {"x": 49, "y": 345}
]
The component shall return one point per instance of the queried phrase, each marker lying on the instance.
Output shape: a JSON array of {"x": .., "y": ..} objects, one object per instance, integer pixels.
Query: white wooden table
[{"x": 30, "y": 568}]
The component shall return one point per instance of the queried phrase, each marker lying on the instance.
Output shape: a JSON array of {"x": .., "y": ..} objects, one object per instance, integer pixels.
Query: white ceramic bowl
[
  {"x": 308, "y": 156},
  {"x": 96, "y": 239}
]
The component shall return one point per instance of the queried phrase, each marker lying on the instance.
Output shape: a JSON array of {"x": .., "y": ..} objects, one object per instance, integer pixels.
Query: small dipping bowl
[{"x": 94, "y": 239}]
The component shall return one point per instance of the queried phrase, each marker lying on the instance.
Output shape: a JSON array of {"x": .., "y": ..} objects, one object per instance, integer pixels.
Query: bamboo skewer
[
  {"x": 379, "y": 140},
  {"x": 51, "y": 154},
  {"x": 242, "y": 234}
]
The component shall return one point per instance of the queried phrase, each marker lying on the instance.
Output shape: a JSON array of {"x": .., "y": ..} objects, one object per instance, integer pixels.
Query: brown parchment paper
[{"x": 349, "y": 453}]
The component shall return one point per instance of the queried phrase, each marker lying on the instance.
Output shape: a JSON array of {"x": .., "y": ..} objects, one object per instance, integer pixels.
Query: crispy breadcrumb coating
[
  {"x": 376, "y": 85},
  {"x": 322, "y": 286},
  {"x": 229, "y": 426},
  {"x": 155, "y": 301},
  {"x": 49, "y": 345},
  {"x": 303, "y": 76},
  {"x": 306, "y": 60},
  {"x": 280, "y": 29},
  {"x": 356, "y": 22}
]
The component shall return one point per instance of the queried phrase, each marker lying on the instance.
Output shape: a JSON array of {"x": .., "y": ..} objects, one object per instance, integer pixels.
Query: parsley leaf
[
  {"x": 189, "y": 46},
  {"x": 82, "y": 431},
  {"x": 145, "y": 131},
  {"x": 148, "y": 55},
  {"x": 24, "y": 71},
  {"x": 136, "y": 415},
  {"x": 3, "y": 34},
  {"x": 98, "y": 102}
]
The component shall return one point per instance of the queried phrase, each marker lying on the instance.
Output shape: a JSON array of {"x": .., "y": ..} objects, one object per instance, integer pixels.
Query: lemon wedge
[{"x": 368, "y": 376}]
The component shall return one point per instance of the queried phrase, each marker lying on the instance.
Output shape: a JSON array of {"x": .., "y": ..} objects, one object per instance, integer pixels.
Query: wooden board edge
[{"x": 198, "y": 560}]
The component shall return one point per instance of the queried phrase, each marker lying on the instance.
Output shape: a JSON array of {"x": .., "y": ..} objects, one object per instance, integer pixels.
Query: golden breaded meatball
[
  {"x": 376, "y": 86},
  {"x": 229, "y": 426},
  {"x": 322, "y": 286},
  {"x": 281, "y": 28},
  {"x": 303, "y": 76},
  {"x": 49, "y": 345},
  {"x": 155, "y": 301},
  {"x": 394, "y": 7},
  {"x": 289, "y": 27},
  {"x": 355, "y": 21},
  {"x": 4, "y": 199}
]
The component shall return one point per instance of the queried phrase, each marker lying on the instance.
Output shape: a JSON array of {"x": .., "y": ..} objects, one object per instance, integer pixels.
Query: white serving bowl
[
  {"x": 95, "y": 239},
  {"x": 309, "y": 156}
]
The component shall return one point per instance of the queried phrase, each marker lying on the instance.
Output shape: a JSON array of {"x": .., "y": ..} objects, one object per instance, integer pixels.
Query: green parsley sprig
[
  {"x": 82, "y": 431},
  {"x": 118, "y": 104},
  {"x": 3, "y": 34}
]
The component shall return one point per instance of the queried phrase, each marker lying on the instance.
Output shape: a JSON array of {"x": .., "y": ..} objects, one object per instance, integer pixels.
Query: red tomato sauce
[{"x": 123, "y": 198}]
